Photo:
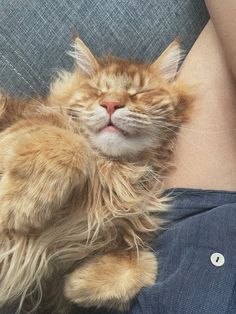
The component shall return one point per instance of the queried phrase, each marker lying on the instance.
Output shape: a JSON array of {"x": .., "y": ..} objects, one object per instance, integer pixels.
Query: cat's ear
[
  {"x": 168, "y": 63},
  {"x": 86, "y": 62}
]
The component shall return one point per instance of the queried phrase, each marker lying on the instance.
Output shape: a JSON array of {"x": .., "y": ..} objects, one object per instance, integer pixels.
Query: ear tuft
[
  {"x": 168, "y": 63},
  {"x": 85, "y": 60}
]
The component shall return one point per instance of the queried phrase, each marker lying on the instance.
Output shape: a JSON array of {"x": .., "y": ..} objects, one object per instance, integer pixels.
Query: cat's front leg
[
  {"x": 111, "y": 280},
  {"x": 41, "y": 167}
]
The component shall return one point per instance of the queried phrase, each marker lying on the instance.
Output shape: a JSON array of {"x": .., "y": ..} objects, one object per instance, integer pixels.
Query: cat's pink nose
[{"x": 111, "y": 105}]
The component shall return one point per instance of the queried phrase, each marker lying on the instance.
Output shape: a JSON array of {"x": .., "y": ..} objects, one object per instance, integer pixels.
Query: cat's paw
[
  {"x": 111, "y": 281},
  {"x": 42, "y": 170}
]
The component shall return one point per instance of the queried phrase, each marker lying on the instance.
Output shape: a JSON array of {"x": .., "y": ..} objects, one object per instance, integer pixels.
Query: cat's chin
[
  {"x": 115, "y": 144},
  {"x": 111, "y": 129}
]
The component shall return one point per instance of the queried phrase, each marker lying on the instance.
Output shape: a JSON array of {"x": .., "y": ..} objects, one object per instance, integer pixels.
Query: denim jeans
[{"x": 34, "y": 38}]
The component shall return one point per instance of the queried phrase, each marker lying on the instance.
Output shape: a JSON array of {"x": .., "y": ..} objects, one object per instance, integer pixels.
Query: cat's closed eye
[{"x": 141, "y": 92}]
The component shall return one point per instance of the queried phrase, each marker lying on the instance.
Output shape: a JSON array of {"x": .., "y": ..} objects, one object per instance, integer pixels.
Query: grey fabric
[{"x": 35, "y": 34}]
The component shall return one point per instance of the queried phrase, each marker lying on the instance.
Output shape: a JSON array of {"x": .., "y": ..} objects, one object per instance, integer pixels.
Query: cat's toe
[{"x": 111, "y": 281}]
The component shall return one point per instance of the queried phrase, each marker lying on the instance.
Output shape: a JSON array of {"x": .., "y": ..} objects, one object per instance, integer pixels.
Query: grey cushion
[{"x": 35, "y": 34}]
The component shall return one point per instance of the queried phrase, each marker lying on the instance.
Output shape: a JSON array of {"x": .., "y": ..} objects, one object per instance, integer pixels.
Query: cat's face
[{"x": 123, "y": 107}]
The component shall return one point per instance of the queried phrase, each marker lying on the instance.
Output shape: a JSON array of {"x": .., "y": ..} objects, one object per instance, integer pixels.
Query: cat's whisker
[
  {"x": 194, "y": 130},
  {"x": 140, "y": 121},
  {"x": 74, "y": 112},
  {"x": 135, "y": 122},
  {"x": 95, "y": 123},
  {"x": 198, "y": 131},
  {"x": 137, "y": 115},
  {"x": 94, "y": 116},
  {"x": 163, "y": 126},
  {"x": 160, "y": 117},
  {"x": 146, "y": 121}
]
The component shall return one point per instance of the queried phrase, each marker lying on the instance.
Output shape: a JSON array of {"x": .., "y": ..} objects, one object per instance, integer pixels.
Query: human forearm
[{"x": 223, "y": 15}]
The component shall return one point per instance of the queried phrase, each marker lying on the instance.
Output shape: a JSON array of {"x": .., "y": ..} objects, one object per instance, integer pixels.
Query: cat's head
[{"x": 123, "y": 107}]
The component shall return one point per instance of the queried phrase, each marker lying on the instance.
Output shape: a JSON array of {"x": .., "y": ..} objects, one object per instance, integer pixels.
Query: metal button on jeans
[{"x": 217, "y": 259}]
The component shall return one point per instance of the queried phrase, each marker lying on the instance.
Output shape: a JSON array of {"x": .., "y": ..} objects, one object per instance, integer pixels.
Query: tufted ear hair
[
  {"x": 86, "y": 62},
  {"x": 168, "y": 62}
]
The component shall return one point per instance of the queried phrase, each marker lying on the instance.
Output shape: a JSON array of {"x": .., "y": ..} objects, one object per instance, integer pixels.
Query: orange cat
[{"x": 81, "y": 178}]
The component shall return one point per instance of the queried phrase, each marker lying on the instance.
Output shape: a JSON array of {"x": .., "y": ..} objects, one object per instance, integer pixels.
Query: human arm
[{"x": 223, "y": 15}]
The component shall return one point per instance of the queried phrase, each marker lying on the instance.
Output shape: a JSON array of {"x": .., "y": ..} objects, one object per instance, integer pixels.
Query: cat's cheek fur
[{"x": 118, "y": 145}]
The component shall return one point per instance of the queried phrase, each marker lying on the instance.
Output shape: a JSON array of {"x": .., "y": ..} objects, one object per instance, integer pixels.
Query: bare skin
[
  {"x": 205, "y": 157},
  {"x": 223, "y": 15}
]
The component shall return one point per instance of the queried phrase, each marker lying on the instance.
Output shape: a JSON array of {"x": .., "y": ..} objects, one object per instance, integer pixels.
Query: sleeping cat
[{"x": 81, "y": 182}]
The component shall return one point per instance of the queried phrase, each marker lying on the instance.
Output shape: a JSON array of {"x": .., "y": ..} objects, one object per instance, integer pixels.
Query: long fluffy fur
[
  {"x": 29, "y": 260},
  {"x": 109, "y": 205}
]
